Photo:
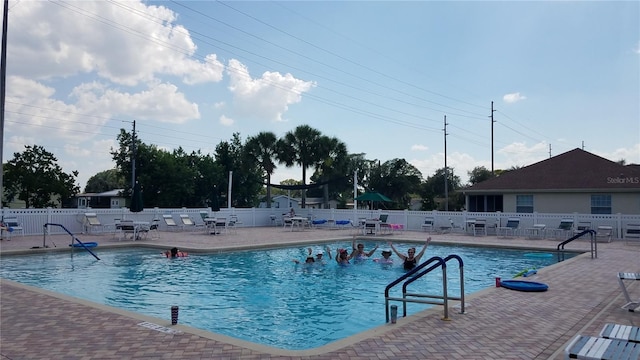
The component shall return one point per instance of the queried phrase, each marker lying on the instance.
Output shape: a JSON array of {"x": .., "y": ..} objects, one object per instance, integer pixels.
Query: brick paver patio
[{"x": 498, "y": 324}]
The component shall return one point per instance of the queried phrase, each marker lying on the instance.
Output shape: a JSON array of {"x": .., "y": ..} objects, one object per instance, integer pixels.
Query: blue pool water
[{"x": 260, "y": 296}]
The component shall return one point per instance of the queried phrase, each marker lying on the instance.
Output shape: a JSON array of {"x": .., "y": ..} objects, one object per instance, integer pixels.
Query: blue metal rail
[{"x": 73, "y": 237}]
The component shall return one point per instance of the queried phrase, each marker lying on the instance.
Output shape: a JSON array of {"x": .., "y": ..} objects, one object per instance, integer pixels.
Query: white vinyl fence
[{"x": 32, "y": 220}]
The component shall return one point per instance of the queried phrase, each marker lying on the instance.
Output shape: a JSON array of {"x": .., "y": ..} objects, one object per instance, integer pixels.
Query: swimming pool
[{"x": 259, "y": 296}]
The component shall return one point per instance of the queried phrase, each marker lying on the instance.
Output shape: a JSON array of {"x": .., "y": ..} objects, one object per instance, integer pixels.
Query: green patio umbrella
[
  {"x": 136, "y": 199},
  {"x": 373, "y": 197}
]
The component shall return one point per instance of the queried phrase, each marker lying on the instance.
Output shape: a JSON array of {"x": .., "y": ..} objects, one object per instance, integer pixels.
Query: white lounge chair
[
  {"x": 537, "y": 231},
  {"x": 563, "y": 230},
  {"x": 169, "y": 222},
  {"x": 92, "y": 222},
  {"x": 604, "y": 232},
  {"x": 582, "y": 226},
  {"x": 631, "y": 305},
  {"x": 621, "y": 332},
  {"x": 510, "y": 228},
  {"x": 187, "y": 223},
  {"x": 595, "y": 348},
  {"x": 632, "y": 233}
]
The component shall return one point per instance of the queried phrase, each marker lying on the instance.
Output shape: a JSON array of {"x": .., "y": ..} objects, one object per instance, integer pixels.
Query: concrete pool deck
[{"x": 498, "y": 324}]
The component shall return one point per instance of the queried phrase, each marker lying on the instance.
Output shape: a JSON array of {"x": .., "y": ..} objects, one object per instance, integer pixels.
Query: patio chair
[
  {"x": 126, "y": 227},
  {"x": 145, "y": 231},
  {"x": 631, "y": 305},
  {"x": 11, "y": 225},
  {"x": 563, "y": 230},
  {"x": 169, "y": 222},
  {"x": 592, "y": 348},
  {"x": 479, "y": 227},
  {"x": 428, "y": 224},
  {"x": 582, "y": 226},
  {"x": 287, "y": 221},
  {"x": 604, "y": 232},
  {"x": 187, "y": 223},
  {"x": 537, "y": 231},
  {"x": 371, "y": 227},
  {"x": 451, "y": 227},
  {"x": 510, "y": 228},
  {"x": 232, "y": 224},
  {"x": 621, "y": 332},
  {"x": 220, "y": 225},
  {"x": 91, "y": 222},
  {"x": 384, "y": 226},
  {"x": 632, "y": 233}
]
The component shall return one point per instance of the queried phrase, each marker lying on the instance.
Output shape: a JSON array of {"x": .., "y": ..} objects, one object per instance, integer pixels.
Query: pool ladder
[{"x": 418, "y": 272}]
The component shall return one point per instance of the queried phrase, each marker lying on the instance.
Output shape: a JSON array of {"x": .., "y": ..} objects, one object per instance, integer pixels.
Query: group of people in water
[
  {"x": 344, "y": 257},
  {"x": 358, "y": 253}
]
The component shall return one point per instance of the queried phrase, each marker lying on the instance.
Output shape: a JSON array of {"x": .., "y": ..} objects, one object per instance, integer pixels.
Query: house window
[
  {"x": 601, "y": 204},
  {"x": 115, "y": 203},
  {"x": 524, "y": 203}
]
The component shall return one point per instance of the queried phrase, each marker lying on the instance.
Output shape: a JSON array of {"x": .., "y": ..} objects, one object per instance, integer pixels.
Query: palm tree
[
  {"x": 332, "y": 166},
  {"x": 262, "y": 148},
  {"x": 301, "y": 147}
]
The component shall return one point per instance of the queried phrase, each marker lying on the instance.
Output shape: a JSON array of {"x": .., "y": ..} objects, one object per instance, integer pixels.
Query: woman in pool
[
  {"x": 308, "y": 260},
  {"x": 411, "y": 259},
  {"x": 342, "y": 256},
  {"x": 386, "y": 258},
  {"x": 359, "y": 253},
  {"x": 174, "y": 252}
]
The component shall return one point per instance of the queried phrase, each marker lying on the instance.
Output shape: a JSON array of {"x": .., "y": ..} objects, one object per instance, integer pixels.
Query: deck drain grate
[{"x": 160, "y": 328}]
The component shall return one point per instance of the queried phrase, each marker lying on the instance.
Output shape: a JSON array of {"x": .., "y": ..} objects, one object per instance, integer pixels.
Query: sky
[{"x": 381, "y": 76}]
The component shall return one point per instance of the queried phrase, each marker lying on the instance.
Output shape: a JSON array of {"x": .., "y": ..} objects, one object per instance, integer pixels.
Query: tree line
[{"x": 180, "y": 179}]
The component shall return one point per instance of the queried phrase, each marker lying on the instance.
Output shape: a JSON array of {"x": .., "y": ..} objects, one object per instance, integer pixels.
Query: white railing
[{"x": 33, "y": 220}]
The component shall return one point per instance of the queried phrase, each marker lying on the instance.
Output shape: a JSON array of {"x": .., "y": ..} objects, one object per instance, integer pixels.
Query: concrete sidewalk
[{"x": 498, "y": 324}]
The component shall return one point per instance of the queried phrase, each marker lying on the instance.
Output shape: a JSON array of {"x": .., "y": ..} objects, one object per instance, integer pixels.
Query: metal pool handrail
[
  {"x": 73, "y": 237},
  {"x": 415, "y": 274}
]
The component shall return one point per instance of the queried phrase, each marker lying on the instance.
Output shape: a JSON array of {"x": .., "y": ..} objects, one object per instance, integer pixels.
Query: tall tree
[
  {"x": 433, "y": 187},
  {"x": 34, "y": 177},
  {"x": 263, "y": 149},
  {"x": 300, "y": 147},
  {"x": 246, "y": 179},
  {"x": 104, "y": 181},
  {"x": 396, "y": 179},
  {"x": 332, "y": 168},
  {"x": 479, "y": 174}
]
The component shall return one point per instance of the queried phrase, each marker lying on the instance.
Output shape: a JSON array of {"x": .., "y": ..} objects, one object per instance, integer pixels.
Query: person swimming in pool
[
  {"x": 308, "y": 260},
  {"x": 342, "y": 256},
  {"x": 386, "y": 257},
  {"x": 411, "y": 259},
  {"x": 174, "y": 252},
  {"x": 358, "y": 252}
]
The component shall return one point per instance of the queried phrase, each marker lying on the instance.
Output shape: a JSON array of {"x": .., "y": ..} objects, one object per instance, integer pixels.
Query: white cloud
[
  {"x": 418, "y": 147},
  {"x": 124, "y": 42},
  {"x": 268, "y": 97},
  {"x": 519, "y": 154},
  {"x": 226, "y": 121},
  {"x": 637, "y": 48},
  {"x": 162, "y": 102},
  {"x": 629, "y": 155},
  {"x": 513, "y": 98}
]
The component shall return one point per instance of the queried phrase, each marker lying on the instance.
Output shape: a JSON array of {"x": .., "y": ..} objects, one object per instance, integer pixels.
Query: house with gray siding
[{"x": 576, "y": 181}]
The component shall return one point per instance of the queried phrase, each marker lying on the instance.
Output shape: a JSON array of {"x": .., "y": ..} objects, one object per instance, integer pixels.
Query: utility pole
[
  {"x": 3, "y": 89},
  {"x": 549, "y": 151},
  {"x": 492, "y": 121},
  {"x": 446, "y": 172},
  {"x": 133, "y": 156}
]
